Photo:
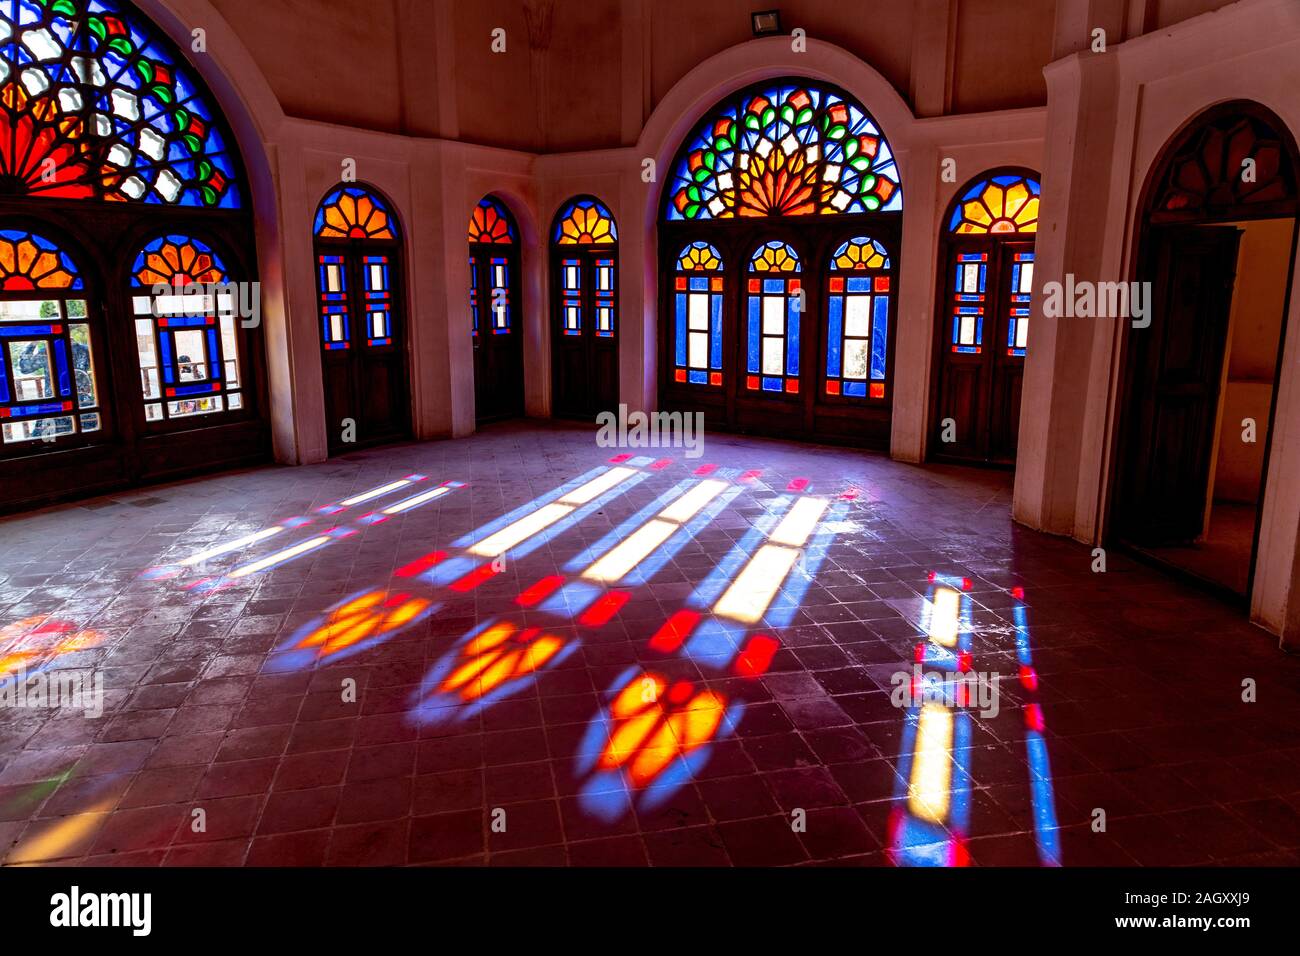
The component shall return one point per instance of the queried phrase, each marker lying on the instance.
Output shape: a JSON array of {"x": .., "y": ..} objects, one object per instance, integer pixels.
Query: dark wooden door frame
[
  {"x": 1141, "y": 265},
  {"x": 587, "y": 255}
]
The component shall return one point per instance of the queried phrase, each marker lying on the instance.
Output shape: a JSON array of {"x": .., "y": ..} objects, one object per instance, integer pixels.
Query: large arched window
[
  {"x": 782, "y": 166},
  {"x": 362, "y": 322},
  {"x": 110, "y": 148},
  {"x": 984, "y": 304},
  {"x": 584, "y": 310},
  {"x": 495, "y": 312}
]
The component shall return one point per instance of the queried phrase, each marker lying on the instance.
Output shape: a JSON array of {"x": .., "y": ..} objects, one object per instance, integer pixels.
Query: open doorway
[{"x": 1200, "y": 381}]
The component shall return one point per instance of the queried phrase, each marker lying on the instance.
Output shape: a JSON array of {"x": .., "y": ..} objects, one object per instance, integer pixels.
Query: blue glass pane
[
  {"x": 792, "y": 337},
  {"x": 699, "y": 283},
  {"x": 774, "y": 286},
  {"x": 855, "y": 389},
  {"x": 833, "y": 336},
  {"x": 681, "y": 329},
  {"x": 753, "y": 337},
  {"x": 773, "y": 385},
  {"x": 698, "y": 377},
  {"x": 859, "y": 284},
  {"x": 715, "y": 332},
  {"x": 61, "y": 361},
  {"x": 879, "y": 336}
]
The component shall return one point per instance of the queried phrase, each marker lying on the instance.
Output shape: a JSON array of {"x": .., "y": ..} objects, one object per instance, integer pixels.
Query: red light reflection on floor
[{"x": 370, "y": 615}]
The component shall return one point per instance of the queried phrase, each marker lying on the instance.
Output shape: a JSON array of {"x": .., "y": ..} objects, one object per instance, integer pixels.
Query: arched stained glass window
[
  {"x": 857, "y": 333},
  {"x": 697, "y": 297},
  {"x": 775, "y": 300},
  {"x": 354, "y": 212},
  {"x": 784, "y": 149},
  {"x": 585, "y": 222},
  {"x": 1000, "y": 205},
  {"x": 491, "y": 269},
  {"x": 93, "y": 104},
  {"x": 363, "y": 335},
  {"x": 48, "y": 382},
  {"x": 491, "y": 222},
  {"x": 185, "y": 330}
]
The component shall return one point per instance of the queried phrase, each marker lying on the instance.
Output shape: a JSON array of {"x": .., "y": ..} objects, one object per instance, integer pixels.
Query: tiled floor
[{"x": 232, "y": 735}]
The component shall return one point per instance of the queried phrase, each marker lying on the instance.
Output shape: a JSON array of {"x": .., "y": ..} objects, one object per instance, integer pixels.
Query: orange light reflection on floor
[
  {"x": 493, "y": 659},
  {"x": 35, "y": 641},
  {"x": 654, "y": 723},
  {"x": 369, "y": 615}
]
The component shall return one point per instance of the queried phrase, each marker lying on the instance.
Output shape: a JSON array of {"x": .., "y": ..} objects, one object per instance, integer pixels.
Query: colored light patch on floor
[
  {"x": 754, "y": 588},
  {"x": 491, "y": 663},
  {"x": 35, "y": 643},
  {"x": 360, "y": 622},
  {"x": 652, "y": 737}
]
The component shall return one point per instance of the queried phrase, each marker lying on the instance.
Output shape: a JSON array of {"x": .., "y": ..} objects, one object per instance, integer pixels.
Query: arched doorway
[
  {"x": 130, "y": 337},
  {"x": 584, "y": 309},
  {"x": 779, "y": 242},
  {"x": 1199, "y": 384},
  {"x": 982, "y": 333},
  {"x": 495, "y": 311},
  {"x": 362, "y": 320}
]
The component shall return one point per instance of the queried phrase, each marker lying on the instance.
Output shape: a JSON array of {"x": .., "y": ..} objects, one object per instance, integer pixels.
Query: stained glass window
[
  {"x": 1206, "y": 173},
  {"x": 784, "y": 149},
  {"x": 571, "y": 295},
  {"x": 857, "y": 308},
  {"x": 697, "y": 300},
  {"x": 332, "y": 280},
  {"x": 95, "y": 105},
  {"x": 1022, "y": 285},
  {"x": 491, "y": 223},
  {"x": 378, "y": 300},
  {"x": 998, "y": 205},
  {"x": 186, "y": 336},
  {"x": 48, "y": 386},
  {"x": 354, "y": 212},
  {"x": 775, "y": 300},
  {"x": 969, "y": 290},
  {"x": 585, "y": 222}
]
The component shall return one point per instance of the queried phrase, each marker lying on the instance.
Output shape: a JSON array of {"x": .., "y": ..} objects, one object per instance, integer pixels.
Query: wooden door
[
  {"x": 498, "y": 338},
  {"x": 1173, "y": 392},
  {"x": 363, "y": 346},
  {"x": 584, "y": 332}
]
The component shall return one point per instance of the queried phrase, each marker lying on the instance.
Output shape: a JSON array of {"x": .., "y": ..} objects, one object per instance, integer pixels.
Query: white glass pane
[
  {"x": 83, "y": 365},
  {"x": 774, "y": 356},
  {"x": 970, "y": 278},
  {"x": 1022, "y": 333},
  {"x": 699, "y": 350},
  {"x": 153, "y": 413},
  {"x": 857, "y": 315},
  {"x": 967, "y": 330},
  {"x": 230, "y": 350},
  {"x": 855, "y": 358},
  {"x": 774, "y": 315},
  {"x": 332, "y": 278},
  {"x": 377, "y": 279},
  {"x": 194, "y": 406},
  {"x": 698, "y": 311},
  {"x": 38, "y": 428},
  {"x": 1026, "y": 277},
  {"x": 236, "y": 400},
  {"x": 191, "y": 354}
]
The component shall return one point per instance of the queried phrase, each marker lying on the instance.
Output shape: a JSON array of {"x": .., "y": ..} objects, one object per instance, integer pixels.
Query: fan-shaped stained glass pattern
[
  {"x": 585, "y": 222},
  {"x": 860, "y": 253},
  {"x": 93, "y": 105},
  {"x": 784, "y": 149},
  {"x": 699, "y": 257},
  {"x": 999, "y": 205},
  {"x": 1209, "y": 171},
  {"x": 354, "y": 212},
  {"x": 176, "y": 261},
  {"x": 491, "y": 223},
  {"x": 48, "y": 384},
  {"x": 187, "y": 341},
  {"x": 697, "y": 309},
  {"x": 857, "y": 316},
  {"x": 775, "y": 256},
  {"x": 28, "y": 262}
]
